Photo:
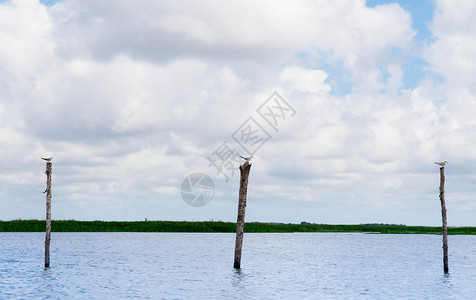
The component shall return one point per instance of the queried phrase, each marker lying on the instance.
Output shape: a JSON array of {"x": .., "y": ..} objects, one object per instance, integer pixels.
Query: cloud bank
[{"x": 130, "y": 98}]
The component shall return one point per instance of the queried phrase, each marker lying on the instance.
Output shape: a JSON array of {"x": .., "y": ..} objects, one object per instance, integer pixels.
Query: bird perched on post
[
  {"x": 247, "y": 158},
  {"x": 47, "y": 158},
  {"x": 443, "y": 163}
]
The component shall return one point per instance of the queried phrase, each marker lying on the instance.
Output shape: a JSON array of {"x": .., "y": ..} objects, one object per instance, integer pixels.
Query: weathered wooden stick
[
  {"x": 48, "y": 214},
  {"x": 240, "y": 222},
  {"x": 443, "y": 215}
]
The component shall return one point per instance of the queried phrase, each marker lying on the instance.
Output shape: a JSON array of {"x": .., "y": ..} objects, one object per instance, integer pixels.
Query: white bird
[
  {"x": 247, "y": 158},
  {"x": 443, "y": 163},
  {"x": 47, "y": 158}
]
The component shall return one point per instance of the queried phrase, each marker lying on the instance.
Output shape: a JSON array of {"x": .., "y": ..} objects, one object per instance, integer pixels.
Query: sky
[{"x": 344, "y": 105}]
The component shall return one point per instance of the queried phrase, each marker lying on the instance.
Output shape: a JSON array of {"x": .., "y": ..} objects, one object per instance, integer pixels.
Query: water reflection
[{"x": 238, "y": 282}]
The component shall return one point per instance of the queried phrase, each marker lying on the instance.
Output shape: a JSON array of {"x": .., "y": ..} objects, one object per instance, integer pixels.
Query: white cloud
[
  {"x": 452, "y": 56},
  {"x": 305, "y": 80},
  {"x": 26, "y": 49},
  {"x": 236, "y": 29},
  {"x": 455, "y": 41}
]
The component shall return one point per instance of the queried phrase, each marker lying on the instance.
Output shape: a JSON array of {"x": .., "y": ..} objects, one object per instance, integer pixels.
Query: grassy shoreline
[{"x": 217, "y": 226}]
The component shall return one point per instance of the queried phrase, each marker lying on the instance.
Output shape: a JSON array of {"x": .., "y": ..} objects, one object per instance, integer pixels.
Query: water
[{"x": 200, "y": 266}]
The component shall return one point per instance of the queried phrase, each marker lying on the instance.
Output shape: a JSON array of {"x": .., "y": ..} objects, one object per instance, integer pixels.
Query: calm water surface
[{"x": 200, "y": 266}]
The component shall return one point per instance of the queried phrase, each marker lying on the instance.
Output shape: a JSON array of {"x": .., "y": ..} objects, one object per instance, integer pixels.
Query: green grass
[{"x": 216, "y": 226}]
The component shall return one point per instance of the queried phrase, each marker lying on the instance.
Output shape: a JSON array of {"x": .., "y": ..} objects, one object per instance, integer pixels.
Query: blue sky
[{"x": 132, "y": 97}]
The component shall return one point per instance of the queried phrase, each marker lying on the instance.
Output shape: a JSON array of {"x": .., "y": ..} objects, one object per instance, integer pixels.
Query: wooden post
[
  {"x": 443, "y": 215},
  {"x": 48, "y": 214},
  {"x": 240, "y": 222}
]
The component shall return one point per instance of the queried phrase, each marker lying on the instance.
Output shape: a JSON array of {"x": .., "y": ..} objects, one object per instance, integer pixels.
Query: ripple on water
[{"x": 199, "y": 266}]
